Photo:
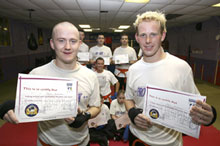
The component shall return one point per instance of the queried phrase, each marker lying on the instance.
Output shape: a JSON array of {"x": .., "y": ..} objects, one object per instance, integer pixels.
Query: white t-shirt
[
  {"x": 171, "y": 73},
  {"x": 96, "y": 52},
  {"x": 83, "y": 48},
  {"x": 140, "y": 53},
  {"x": 131, "y": 55},
  {"x": 117, "y": 109},
  {"x": 57, "y": 132},
  {"x": 105, "y": 110},
  {"x": 106, "y": 78}
]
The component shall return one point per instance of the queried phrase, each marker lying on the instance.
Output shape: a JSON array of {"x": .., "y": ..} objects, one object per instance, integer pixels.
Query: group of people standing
[{"x": 155, "y": 67}]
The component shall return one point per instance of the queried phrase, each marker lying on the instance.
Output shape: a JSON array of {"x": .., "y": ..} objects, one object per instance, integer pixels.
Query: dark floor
[{"x": 8, "y": 91}]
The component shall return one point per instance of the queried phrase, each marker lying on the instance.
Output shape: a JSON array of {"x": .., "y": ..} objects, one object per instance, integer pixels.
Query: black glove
[
  {"x": 5, "y": 107},
  {"x": 133, "y": 112},
  {"x": 214, "y": 118},
  {"x": 80, "y": 120}
]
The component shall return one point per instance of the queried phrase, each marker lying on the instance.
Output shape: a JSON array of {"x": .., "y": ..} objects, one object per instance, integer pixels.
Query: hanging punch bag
[{"x": 32, "y": 43}]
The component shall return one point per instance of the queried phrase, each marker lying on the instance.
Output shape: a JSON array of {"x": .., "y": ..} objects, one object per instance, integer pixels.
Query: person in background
[
  {"x": 117, "y": 109},
  {"x": 121, "y": 69},
  {"x": 70, "y": 131},
  {"x": 100, "y": 50},
  {"x": 83, "y": 47},
  {"x": 164, "y": 70},
  {"x": 99, "y": 134},
  {"x": 106, "y": 79}
]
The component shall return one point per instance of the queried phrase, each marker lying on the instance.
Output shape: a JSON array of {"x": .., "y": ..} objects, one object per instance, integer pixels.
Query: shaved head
[{"x": 62, "y": 25}]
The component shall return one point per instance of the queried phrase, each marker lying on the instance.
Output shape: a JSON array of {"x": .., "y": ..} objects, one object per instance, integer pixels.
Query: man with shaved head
[{"x": 72, "y": 131}]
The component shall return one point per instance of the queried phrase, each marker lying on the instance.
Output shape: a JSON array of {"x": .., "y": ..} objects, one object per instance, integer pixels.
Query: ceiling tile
[
  {"x": 24, "y": 4},
  {"x": 67, "y": 4},
  {"x": 161, "y": 1},
  {"x": 207, "y": 2},
  {"x": 75, "y": 13},
  {"x": 108, "y": 5},
  {"x": 45, "y": 4},
  {"x": 92, "y": 14},
  {"x": 131, "y": 7},
  {"x": 189, "y": 9},
  {"x": 7, "y": 5},
  {"x": 151, "y": 7},
  {"x": 89, "y": 4},
  {"x": 169, "y": 9},
  {"x": 185, "y": 2}
]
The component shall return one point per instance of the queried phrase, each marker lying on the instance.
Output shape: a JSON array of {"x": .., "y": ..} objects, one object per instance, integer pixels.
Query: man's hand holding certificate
[
  {"x": 171, "y": 109},
  {"x": 45, "y": 98}
]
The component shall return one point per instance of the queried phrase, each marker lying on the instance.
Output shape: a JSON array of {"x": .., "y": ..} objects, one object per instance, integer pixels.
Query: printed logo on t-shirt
[
  {"x": 81, "y": 96},
  {"x": 141, "y": 91}
]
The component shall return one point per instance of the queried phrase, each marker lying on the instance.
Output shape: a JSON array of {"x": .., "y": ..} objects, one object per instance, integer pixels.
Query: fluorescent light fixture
[
  {"x": 5, "y": 29},
  {"x": 137, "y": 1},
  {"x": 96, "y": 29},
  {"x": 87, "y": 30},
  {"x": 216, "y": 5},
  {"x": 84, "y": 25},
  {"x": 118, "y": 30},
  {"x": 123, "y": 26}
]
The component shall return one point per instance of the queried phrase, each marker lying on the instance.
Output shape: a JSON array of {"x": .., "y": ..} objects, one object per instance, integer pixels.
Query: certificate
[
  {"x": 122, "y": 121},
  {"x": 41, "y": 98},
  {"x": 171, "y": 109},
  {"x": 121, "y": 59},
  {"x": 100, "y": 119},
  {"x": 83, "y": 56},
  {"x": 106, "y": 60}
]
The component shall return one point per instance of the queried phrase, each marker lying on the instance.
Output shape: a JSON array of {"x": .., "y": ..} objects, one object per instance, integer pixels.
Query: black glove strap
[
  {"x": 5, "y": 107},
  {"x": 133, "y": 112},
  {"x": 80, "y": 120},
  {"x": 214, "y": 118}
]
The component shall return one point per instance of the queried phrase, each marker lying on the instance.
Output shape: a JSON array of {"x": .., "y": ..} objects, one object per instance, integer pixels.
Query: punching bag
[{"x": 32, "y": 43}]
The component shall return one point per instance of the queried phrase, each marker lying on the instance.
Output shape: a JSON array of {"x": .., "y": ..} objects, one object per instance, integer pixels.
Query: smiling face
[
  {"x": 65, "y": 42},
  {"x": 99, "y": 65},
  {"x": 149, "y": 37}
]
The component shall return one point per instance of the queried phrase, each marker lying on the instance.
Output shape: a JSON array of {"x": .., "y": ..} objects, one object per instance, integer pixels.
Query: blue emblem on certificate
[{"x": 31, "y": 110}]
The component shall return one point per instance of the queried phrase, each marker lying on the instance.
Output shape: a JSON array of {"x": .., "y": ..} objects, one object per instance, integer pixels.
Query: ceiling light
[
  {"x": 123, "y": 26},
  {"x": 118, "y": 30},
  {"x": 87, "y": 30},
  {"x": 216, "y": 5},
  {"x": 137, "y": 1},
  {"x": 96, "y": 29},
  {"x": 84, "y": 25}
]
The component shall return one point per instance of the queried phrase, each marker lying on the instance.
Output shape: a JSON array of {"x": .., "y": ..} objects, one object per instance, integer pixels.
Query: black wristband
[
  {"x": 80, "y": 120},
  {"x": 133, "y": 112},
  {"x": 5, "y": 107},
  {"x": 214, "y": 118}
]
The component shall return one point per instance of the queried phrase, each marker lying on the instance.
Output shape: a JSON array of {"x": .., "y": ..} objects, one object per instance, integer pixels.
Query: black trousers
[
  {"x": 122, "y": 82},
  {"x": 134, "y": 141}
]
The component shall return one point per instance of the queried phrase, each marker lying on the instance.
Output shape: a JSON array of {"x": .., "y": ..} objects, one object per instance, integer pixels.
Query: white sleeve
[
  {"x": 134, "y": 56},
  {"x": 94, "y": 99},
  {"x": 110, "y": 53},
  {"x": 112, "y": 107},
  {"x": 113, "y": 79},
  {"x": 129, "y": 92},
  {"x": 140, "y": 53},
  {"x": 91, "y": 53}
]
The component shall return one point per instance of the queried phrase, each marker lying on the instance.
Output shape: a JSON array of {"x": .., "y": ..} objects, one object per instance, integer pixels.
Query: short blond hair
[{"x": 152, "y": 16}]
